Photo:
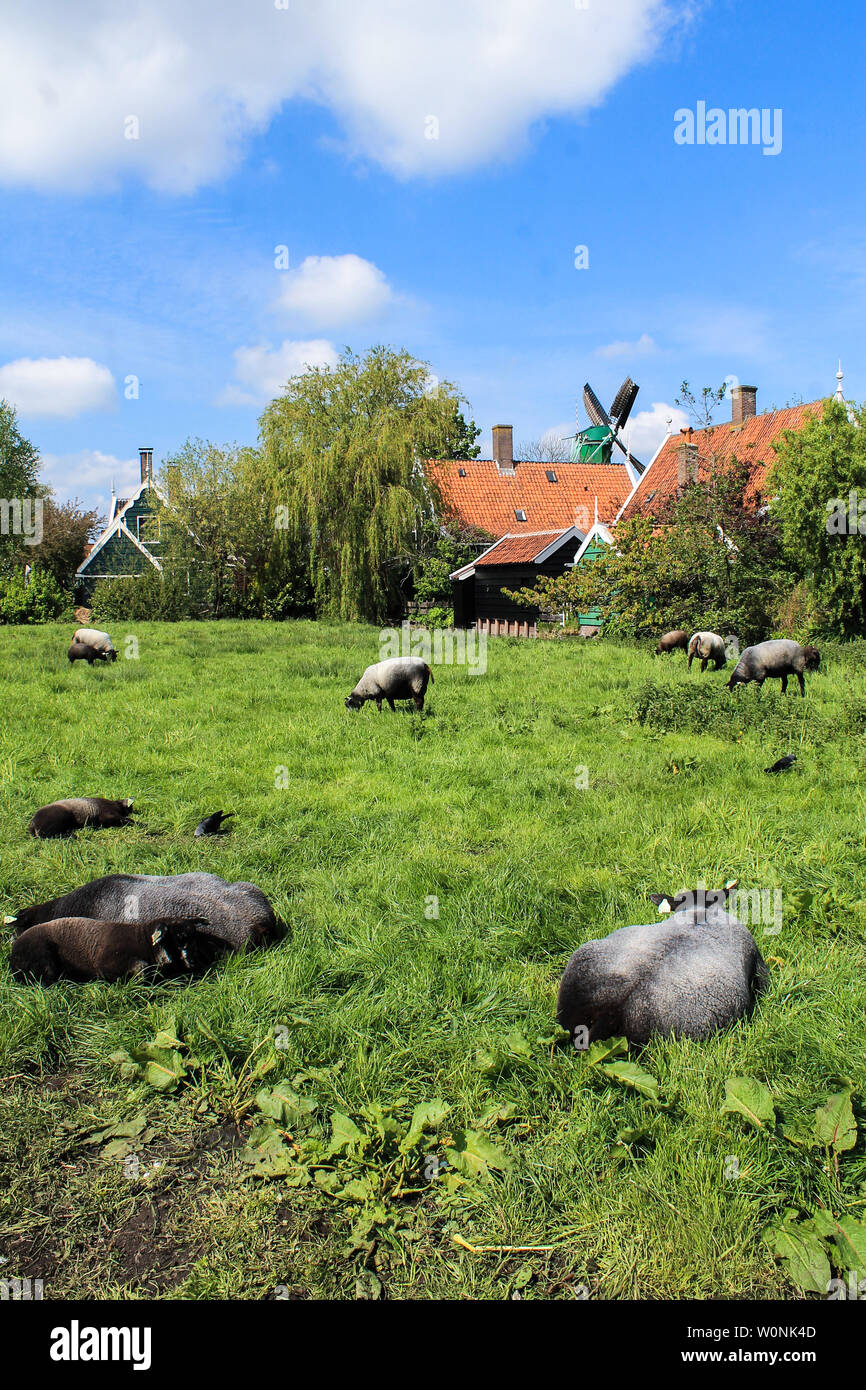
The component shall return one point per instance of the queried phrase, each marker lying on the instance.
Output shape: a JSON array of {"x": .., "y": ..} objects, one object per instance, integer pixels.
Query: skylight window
[
  {"x": 551, "y": 476},
  {"x": 461, "y": 472},
  {"x": 520, "y": 513}
]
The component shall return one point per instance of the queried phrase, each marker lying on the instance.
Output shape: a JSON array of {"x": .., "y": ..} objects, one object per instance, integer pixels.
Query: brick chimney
[
  {"x": 503, "y": 448},
  {"x": 743, "y": 405},
  {"x": 146, "y": 456},
  {"x": 687, "y": 463}
]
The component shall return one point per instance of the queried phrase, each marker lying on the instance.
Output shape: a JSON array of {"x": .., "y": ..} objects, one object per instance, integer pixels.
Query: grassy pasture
[{"x": 379, "y": 1001}]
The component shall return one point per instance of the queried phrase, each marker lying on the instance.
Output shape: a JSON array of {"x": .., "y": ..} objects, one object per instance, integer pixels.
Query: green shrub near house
[{"x": 36, "y": 598}]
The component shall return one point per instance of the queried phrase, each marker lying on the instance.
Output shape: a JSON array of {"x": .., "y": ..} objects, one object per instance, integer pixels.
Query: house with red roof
[
  {"x": 691, "y": 455},
  {"x": 540, "y": 514},
  {"x": 549, "y": 517}
]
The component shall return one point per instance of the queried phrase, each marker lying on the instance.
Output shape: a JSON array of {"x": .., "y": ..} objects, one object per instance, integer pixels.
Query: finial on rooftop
[
  {"x": 669, "y": 424},
  {"x": 839, "y": 376}
]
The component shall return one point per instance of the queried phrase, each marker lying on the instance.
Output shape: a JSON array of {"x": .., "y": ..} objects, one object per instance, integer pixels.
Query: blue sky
[{"x": 308, "y": 127}]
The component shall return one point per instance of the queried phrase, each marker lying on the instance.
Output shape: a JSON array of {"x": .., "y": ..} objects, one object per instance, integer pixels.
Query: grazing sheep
[
  {"x": 672, "y": 641},
  {"x": 398, "y": 678},
  {"x": 99, "y": 641},
  {"x": 65, "y": 817},
  {"x": 237, "y": 914},
  {"x": 79, "y": 651},
  {"x": 779, "y": 658},
  {"x": 80, "y": 948},
  {"x": 709, "y": 646},
  {"x": 690, "y": 975}
]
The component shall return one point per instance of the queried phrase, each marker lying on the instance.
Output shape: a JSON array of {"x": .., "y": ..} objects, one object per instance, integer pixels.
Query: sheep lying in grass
[
  {"x": 776, "y": 659},
  {"x": 65, "y": 817},
  {"x": 398, "y": 678},
  {"x": 236, "y": 914},
  {"x": 709, "y": 646},
  {"x": 99, "y": 642},
  {"x": 673, "y": 641},
  {"x": 690, "y": 975},
  {"x": 79, "y": 948}
]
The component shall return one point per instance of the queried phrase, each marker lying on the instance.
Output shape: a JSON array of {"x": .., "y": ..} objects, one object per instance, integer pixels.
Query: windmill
[{"x": 596, "y": 443}]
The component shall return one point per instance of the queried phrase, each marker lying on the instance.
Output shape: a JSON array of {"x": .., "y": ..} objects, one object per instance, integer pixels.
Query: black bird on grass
[
  {"x": 784, "y": 764},
  {"x": 213, "y": 825}
]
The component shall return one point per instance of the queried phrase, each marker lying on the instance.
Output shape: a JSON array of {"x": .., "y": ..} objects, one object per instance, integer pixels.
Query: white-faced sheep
[
  {"x": 779, "y": 658},
  {"x": 398, "y": 678}
]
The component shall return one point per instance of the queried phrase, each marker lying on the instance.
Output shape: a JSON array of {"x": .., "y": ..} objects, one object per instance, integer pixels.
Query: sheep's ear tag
[
  {"x": 8, "y": 920},
  {"x": 664, "y": 906},
  {"x": 128, "y": 802},
  {"x": 157, "y": 936}
]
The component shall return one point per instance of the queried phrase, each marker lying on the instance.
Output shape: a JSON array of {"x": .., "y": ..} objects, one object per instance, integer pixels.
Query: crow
[
  {"x": 212, "y": 825},
  {"x": 784, "y": 764}
]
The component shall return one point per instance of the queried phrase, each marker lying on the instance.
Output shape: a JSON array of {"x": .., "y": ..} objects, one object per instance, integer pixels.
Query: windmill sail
[
  {"x": 623, "y": 402},
  {"x": 594, "y": 408}
]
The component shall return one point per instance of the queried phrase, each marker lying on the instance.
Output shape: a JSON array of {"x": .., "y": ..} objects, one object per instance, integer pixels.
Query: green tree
[
  {"x": 346, "y": 445},
  {"x": 443, "y": 547},
  {"x": 66, "y": 529},
  {"x": 816, "y": 471}
]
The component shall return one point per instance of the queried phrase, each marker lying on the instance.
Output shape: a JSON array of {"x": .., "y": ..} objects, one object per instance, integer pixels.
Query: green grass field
[{"x": 371, "y": 1005}]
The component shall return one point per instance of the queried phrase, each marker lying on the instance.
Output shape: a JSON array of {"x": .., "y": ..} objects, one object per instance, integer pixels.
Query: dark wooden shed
[{"x": 513, "y": 562}]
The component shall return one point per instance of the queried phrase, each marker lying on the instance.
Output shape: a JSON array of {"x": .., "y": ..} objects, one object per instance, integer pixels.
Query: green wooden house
[
  {"x": 596, "y": 540},
  {"x": 131, "y": 543}
]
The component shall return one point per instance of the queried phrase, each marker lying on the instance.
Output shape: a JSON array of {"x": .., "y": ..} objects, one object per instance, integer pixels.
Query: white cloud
[
  {"x": 331, "y": 290},
  {"x": 419, "y": 88},
  {"x": 88, "y": 474},
  {"x": 262, "y": 372},
  {"x": 646, "y": 429},
  {"x": 645, "y": 346},
  {"x": 60, "y": 386}
]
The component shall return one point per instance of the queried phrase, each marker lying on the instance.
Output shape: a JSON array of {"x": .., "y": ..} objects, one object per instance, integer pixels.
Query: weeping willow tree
[{"x": 345, "y": 445}]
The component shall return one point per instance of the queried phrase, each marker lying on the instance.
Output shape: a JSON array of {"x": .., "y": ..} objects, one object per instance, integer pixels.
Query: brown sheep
[
  {"x": 672, "y": 641},
  {"x": 79, "y": 948}
]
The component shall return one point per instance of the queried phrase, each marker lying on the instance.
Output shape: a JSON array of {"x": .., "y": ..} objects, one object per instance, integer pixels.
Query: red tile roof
[
  {"x": 489, "y": 499},
  {"x": 750, "y": 442},
  {"x": 518, "y": 550}
]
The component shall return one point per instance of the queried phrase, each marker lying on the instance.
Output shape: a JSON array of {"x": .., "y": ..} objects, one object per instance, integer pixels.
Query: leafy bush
[
  {"x": 710, "y": 708},
  {"x": 147, "y": 597},
  {"x": 38, "y": 600},
  {"x": 439, "y": 617}
]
